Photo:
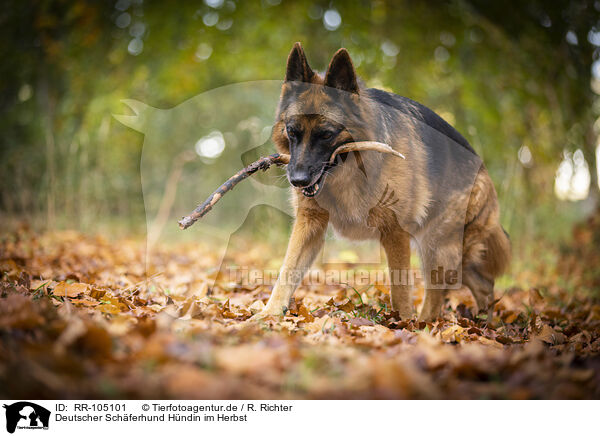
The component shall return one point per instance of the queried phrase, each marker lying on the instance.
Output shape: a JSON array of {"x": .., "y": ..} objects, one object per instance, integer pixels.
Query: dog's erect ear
[
  {"x": 297, "y": 66},
  {"x": 340, "y": 73}
]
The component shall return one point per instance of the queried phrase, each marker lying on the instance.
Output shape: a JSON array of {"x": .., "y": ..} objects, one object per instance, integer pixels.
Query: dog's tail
[{"x": 498, "y": 251}]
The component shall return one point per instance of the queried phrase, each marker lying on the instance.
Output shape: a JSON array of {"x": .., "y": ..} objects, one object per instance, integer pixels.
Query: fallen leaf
[
  {"x": 303, "y": 312},
  {"x": 71, "y": 290},
  {"x": 360, "y": 322},
  {"x": 453, "y": 333},
  {"x": 550, "y": 336}
]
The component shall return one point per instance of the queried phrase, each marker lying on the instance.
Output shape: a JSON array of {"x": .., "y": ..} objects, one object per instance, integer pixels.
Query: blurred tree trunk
[
  {"x": 47, "y": 109},
  {"x": 589, "y": 151}
]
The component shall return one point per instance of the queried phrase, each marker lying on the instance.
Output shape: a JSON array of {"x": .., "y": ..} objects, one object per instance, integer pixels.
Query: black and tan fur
[{"x": 440, "y": 191}]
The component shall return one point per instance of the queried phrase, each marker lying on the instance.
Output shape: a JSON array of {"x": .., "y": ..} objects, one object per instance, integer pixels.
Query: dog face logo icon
[{"x": 26, "y": 415}]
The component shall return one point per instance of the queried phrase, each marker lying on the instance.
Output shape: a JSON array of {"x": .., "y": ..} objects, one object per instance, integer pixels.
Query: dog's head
[{"x": 316, "y": 114}]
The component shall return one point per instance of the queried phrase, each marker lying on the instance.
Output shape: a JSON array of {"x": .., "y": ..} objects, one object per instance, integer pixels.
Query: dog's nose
[{"x": 300, "y": 178}]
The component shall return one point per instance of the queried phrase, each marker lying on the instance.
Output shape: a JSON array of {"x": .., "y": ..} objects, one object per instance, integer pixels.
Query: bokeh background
[{"x": 520, "y": 80}]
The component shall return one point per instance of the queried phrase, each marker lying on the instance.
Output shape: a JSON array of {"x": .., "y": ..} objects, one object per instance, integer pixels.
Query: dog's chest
[{"x": 348, "y": 213}]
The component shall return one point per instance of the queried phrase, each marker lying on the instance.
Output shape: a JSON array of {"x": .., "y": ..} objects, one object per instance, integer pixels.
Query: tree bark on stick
[{"x": 263, "y": 163}]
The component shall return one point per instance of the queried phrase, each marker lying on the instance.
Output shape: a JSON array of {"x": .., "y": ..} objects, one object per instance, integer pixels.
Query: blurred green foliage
[{"x": 505, "y": 74}]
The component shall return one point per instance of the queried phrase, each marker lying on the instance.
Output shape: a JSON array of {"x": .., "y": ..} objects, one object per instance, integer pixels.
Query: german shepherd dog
[{"x": 440, "y": 197}]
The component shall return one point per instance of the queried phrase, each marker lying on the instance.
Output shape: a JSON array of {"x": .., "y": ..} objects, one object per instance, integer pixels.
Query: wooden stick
[{"x": 265, "y": 163}]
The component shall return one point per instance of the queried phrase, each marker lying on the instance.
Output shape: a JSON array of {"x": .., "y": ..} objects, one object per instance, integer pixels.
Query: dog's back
[{"x": 417, "y": 111}]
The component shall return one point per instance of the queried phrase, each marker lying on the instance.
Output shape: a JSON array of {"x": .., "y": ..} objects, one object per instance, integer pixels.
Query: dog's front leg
[
  {"x": 305, "y": 243},
  {"x": 396, "y": 243}
]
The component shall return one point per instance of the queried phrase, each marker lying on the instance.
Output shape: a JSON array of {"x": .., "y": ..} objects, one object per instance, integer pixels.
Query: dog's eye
[
  {"x": 291, "y": 134},
  {"x": 326, "y": 135}
]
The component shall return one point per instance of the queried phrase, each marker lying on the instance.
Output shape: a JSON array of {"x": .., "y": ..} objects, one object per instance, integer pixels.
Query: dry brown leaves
[{"x": 80, "y": 318}]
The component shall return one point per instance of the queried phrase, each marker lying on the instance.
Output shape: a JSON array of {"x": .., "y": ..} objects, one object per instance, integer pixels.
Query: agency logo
[{"x": 26, "y": 415}]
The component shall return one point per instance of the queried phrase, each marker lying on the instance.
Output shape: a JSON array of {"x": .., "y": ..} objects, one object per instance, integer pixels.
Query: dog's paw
[{"x": 267, "y": 312}]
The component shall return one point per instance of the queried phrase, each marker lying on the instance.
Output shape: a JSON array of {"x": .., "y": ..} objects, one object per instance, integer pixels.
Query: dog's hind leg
[
  {"x": 432, "y": 304},
  {"x": 486, "y": 253},
  {"x": 396, "y": 243},
  {"x": 482, "y": 288},
  {"x": 441, "y": 262}
]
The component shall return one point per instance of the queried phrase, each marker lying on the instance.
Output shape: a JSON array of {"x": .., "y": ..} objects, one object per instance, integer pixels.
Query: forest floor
[{"x": 82, "y": 317}]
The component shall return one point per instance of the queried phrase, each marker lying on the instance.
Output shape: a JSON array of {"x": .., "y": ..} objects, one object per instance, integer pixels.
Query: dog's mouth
[{"x": 312, "y": 190}]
